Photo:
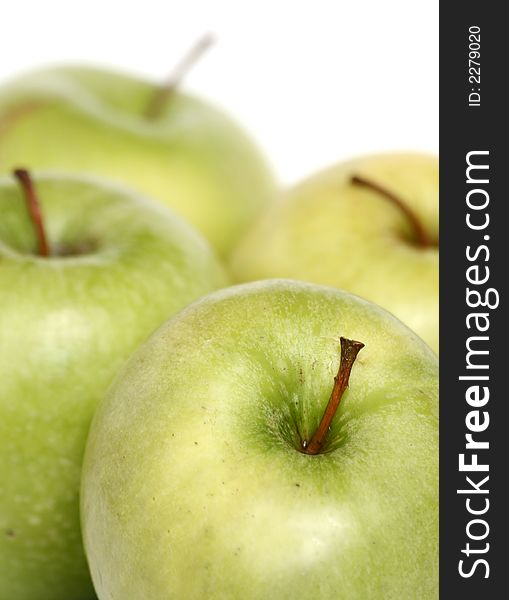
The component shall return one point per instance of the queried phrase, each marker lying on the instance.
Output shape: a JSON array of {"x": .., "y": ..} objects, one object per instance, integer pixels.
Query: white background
[{"x": 315, "y": 81}]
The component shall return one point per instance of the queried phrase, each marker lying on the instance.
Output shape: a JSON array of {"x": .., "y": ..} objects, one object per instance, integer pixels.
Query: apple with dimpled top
[
  {"x": 221, "y": 466},
  {"x": 104, "y": 270}
]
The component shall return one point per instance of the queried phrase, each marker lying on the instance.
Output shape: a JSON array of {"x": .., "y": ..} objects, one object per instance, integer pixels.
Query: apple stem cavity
[
  {"x": 420, "y": 234},
  {"x": 34, "y": 210},
  {"x": 165, "y": 91},
  {"x": 349, "y": 351}
]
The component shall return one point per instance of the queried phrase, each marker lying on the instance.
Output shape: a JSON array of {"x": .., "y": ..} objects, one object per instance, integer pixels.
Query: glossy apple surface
[
  {"x": 192, "y": 157},
  {"x": 194, "y": 486},
  {"x": 120, "y": 267},
  {"x": 331, "y": 231}
]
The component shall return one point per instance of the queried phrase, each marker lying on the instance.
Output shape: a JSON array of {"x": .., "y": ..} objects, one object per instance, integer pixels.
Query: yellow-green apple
[
  {"x": 214, "y": 470},
  {"x": 170, "y": 145},
  {"x": 106, "y": 269},
  {"x": 369, "y": 226}
]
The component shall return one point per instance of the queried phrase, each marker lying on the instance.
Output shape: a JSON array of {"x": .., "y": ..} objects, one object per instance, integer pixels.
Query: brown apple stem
[
  {"x": 420, "y": 234},
  {"x": 164, "y": 92},
  {"x": 349, "y": 351},
  {"x": 34, "y": 210}
]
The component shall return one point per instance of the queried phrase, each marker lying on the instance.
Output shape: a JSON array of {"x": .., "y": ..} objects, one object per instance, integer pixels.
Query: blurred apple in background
[
  {"x": 117, "y": 267},
  {"x": 197, "y": 482},
  {"x": 169, "y": 145},
  {"x": 369, "y": 226}
]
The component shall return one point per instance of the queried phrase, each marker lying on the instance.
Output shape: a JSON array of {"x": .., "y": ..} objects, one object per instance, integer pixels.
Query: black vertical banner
[{"x": 474, "y": 269}]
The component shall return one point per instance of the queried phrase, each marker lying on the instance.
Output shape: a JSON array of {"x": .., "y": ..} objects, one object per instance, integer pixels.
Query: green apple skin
[
  {"x": 192, "y": 157},
  {"x": 193, "y": 486},
  {"x": 330, "y": 231},
  {"x": 67, "y": 323}
]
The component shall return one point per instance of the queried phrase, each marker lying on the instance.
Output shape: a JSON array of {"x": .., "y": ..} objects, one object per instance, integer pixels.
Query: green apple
[
  {"x": 369, "y": 226},
  {"x": 118, "y": 267},
  {"x": 196, "y": 480},
  {"x": 189, "y": 155}
]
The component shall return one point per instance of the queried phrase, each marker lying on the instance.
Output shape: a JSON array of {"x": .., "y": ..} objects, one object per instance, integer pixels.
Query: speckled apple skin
[{"x": 193, "y": 484}]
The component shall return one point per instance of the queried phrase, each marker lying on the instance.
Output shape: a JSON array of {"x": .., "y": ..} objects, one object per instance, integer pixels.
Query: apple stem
[
  {"x": 34, "y": 209},
  {"x": 420, "y": 234},
  {"x": 159, "y": 99},
  {"x": 349, "y": 351}
]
